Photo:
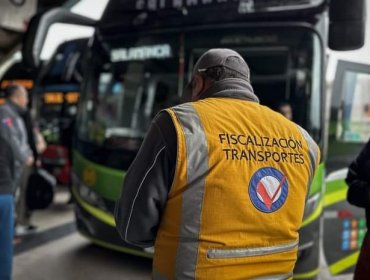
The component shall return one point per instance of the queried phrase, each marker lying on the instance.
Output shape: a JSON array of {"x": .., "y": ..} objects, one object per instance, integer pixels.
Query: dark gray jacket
[
  {"x": 149, "y": 178},
  {"x": 358, "y": 181},
  {"x": 6, "y": 167},
  {"x": 12, "y": 128}
]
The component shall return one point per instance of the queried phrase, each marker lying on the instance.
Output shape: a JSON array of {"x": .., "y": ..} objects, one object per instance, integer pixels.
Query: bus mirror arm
[{"x": 38, "y": 28}]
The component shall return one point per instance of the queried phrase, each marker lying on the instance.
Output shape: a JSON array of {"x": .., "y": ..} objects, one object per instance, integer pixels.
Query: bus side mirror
[
  {"x": 38, "y": 28},
  {"x": 347, "y": 24}
]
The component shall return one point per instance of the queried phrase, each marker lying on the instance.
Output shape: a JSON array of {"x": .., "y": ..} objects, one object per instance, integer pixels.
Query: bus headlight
[
  {"x": 90, "y": 196},
  {"x": 311, "y": 205},
  {"x": 149, "y": 250}
]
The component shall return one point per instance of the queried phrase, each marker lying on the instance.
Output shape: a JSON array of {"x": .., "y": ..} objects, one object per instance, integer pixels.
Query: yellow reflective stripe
[
  {"x": 315, "y": 214},
  {"x": 96, "y": 212},
  {"x": 335, "y": 197},
  {"x": 306, "y": 275},
  {"x": 344, "y": 263},
  {"x": 118, "y": 248},
  {"x": 197, "y": 168}
]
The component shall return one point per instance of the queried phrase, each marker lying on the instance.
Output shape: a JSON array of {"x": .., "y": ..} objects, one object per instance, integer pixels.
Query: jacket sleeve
[
  {"x": 358, "y": 179},
  {"x": 30, "y": 133},
  {"x": 6, "y": 160},
  {"x": 146, "y": 185},
  {"x": 9, "y": 131}
]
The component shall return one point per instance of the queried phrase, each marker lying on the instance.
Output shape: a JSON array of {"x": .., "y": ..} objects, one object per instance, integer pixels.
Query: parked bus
[
  {"x": 17, "y": 74},
  {"x": 58, "y": 93},
  {"x": 349, "y": 129},
  {"x": 140, "y": 58},
  {"x": 54, "y": 89}
]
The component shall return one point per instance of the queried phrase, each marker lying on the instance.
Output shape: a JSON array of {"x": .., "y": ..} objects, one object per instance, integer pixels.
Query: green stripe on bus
[
  {"x": 316, "y": 187},
  {"x": 336, "y": 185},
  {"x": 307, "y": 275},
  {"x": 315, "y": 215},
  {"x": 335, "y": 197},
  {"x": 344, "y": 263},
  {"x": 96, "y": 212},
  {"x": 318, "y": 180},
  {"x": 106, "y": 182},
  {"x": 109, "y": 181},
  {"x": 118, "y": 248}
]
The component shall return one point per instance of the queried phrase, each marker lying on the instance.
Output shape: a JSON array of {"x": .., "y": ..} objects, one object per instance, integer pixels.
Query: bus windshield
[{"x": 130, "y": 79}]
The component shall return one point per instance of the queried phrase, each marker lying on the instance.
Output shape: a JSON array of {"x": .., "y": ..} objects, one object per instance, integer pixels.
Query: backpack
[{"x": 40, "y": 189}]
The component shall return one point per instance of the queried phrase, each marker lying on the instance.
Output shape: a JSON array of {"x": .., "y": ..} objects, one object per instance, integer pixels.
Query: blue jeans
[{"x": 6, "y": 236}]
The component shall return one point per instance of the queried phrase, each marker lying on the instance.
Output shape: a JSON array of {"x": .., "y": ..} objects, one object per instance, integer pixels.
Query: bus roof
[
  {"x": 149, "y": 14},
  {"x": 64, "y": 63},
  {"x": 18, "y": 74}
]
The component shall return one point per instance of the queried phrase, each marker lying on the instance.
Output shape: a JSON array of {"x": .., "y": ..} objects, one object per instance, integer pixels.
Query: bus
[
  {"x": 54, "y": 89},
  {"x": 58, "y": 92},
  {"x": 141, "y": 56},
  {"x": 344, "y": 225},
  {"x": 18, "y": 74}
]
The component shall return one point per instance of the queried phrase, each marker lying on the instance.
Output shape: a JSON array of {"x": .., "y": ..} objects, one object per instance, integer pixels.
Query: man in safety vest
[{"x": 220, "y": 183}]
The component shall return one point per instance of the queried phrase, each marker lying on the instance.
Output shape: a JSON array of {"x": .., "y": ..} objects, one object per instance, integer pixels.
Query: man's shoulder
[
  {"x": 6, "y": 116},
  {"x": 364, "y": 156},
  {"x": 163, "y": 119},
  {"x": 180, "y": 106},
  {"x": 6, "y": 109}
]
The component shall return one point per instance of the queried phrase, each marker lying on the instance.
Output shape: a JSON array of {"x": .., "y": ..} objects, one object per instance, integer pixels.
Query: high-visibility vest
[{"x": 237, "y": 200}]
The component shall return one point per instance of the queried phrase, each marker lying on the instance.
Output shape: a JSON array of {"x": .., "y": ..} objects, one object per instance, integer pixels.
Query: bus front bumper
[
  {"x": 99, "y": 227},
  {"x": 308, "y": 262}
]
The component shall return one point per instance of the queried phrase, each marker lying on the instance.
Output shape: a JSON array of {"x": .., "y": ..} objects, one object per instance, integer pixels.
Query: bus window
[
  {"x": 349, "y": 123},
  {"x": 282, "y": 68},
  {"x": 134, "y": 84},
  {"x": 354, "y": 114}
]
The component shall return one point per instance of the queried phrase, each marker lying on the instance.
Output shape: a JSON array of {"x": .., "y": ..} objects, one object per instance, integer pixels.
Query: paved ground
[
  {"x": 74, "y": 258},
  {"x": 56, "y": 251}
]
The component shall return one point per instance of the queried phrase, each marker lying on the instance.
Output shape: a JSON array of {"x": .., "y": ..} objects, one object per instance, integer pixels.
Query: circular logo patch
[
  {"x": 89, "y": 176},
  {"x": 268, "y": 189}
]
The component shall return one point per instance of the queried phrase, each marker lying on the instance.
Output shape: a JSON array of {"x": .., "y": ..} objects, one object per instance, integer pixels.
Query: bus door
[{"x": 349, "y": 130}]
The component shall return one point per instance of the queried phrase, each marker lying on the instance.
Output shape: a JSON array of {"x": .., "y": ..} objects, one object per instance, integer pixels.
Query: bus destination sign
[{"x": 243, "y": 6}]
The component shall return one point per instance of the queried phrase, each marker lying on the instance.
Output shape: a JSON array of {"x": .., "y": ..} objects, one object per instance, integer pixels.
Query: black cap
[{"x": 222, "y": 57}]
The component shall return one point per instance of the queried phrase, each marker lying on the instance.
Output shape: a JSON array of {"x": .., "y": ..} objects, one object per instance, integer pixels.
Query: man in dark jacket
[
  {"x": 6, "y": 208},
  {"x": 14, "y": 129},
  {"x": 358, "y": 180}
]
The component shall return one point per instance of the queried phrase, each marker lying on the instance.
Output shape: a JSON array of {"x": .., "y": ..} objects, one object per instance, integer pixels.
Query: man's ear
[{"x": 198, "y": 87}]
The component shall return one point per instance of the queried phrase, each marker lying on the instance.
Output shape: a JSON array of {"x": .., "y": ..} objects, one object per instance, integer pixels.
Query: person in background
[
  {"x": 24, "y": 214},
  {"x": 14, "y": 129},
  {"x": 37, "y": 145},
  {"x": 7, "y": 186},
  {"x": 358, "y": 181},
  {"x": 216, "y": 202},
  {"x": 285, "y": 109},
  {"x": 30, "y": 129},
  {"x": 40, "y": 143}
]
